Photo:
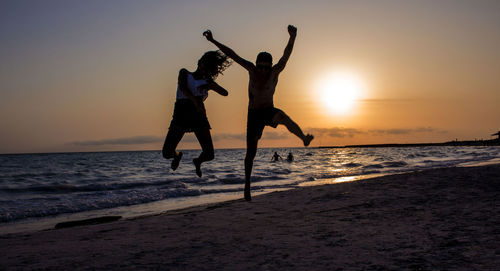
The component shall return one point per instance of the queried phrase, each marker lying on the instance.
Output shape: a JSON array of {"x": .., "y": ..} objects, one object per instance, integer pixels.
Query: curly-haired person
[{"x": 189, "y": 110}]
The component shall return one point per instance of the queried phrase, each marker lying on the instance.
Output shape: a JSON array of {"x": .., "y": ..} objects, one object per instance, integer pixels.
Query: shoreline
[
  {"x": 443, "y": 218},
  {"x": 35, "y": 224}
]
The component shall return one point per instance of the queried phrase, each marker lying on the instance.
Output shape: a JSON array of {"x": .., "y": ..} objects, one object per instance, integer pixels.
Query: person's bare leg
[
  {"x": 282, "y": 118},
  {"x": 251, "y": 152},
  {"x": 207, "y": 147},
  {"x": 171, "y": 141}
]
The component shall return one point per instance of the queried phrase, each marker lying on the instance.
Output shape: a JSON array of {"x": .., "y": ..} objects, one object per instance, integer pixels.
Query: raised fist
[
  {"x": 292, "y": 30},
  {"x": 208, "y": 35}
]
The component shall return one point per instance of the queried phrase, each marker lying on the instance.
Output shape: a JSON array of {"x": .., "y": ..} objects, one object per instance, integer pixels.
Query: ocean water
[{"x": 68, "y": 185}]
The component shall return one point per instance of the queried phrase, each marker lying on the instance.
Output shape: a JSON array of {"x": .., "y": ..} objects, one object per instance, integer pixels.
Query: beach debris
[{"x": 91, "y": 221}]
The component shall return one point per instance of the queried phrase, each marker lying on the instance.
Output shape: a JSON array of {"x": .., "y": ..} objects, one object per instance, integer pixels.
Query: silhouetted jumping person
[
  {"x": 189, "y": 111},
  {"x": 261, "y": 87}
]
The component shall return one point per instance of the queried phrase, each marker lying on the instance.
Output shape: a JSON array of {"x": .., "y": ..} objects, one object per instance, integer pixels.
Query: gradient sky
[{"x": 101, "y": 75}]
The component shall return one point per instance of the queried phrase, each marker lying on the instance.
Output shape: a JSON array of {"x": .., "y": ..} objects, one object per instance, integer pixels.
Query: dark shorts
[
  {"x": 258, "y": 118},
  {"x": 186, "y": 118}
]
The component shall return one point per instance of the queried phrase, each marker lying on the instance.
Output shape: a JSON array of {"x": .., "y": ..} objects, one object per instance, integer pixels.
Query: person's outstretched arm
[
  {"x": 228, "y": 51},
  {"x": 211, "y": 85},
  {"x": 292, "y": 30}
]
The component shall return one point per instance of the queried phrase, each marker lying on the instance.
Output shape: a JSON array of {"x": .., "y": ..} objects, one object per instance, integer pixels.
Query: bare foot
[
  {"x": 176, "y": 161},
  {"x": 197, "y": 164},
  {"x": 307, "y": 139}
]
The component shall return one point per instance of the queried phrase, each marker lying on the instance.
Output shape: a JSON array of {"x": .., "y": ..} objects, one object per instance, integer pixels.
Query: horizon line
[{"x": 452, "y": 143}]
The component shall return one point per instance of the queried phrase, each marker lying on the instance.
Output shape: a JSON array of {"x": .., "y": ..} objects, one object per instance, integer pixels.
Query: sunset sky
[{"x": 101, "y": 75}]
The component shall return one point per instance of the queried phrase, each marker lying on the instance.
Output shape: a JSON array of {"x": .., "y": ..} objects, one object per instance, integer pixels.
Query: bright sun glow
[{"x": 340, "y": 90}]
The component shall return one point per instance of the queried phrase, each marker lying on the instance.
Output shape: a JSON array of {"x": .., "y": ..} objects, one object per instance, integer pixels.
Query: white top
[{"x": 194, "y": 86}]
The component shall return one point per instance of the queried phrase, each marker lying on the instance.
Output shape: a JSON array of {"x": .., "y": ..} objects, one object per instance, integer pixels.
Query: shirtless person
[{"x": 261, "y": 111}]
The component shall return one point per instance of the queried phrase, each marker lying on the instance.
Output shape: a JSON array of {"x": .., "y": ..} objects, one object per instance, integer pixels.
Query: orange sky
[{"x": 102, "y": 75}]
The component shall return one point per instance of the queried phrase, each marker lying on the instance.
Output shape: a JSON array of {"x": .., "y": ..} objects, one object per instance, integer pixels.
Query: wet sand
[{"x": 442, "y": 219}]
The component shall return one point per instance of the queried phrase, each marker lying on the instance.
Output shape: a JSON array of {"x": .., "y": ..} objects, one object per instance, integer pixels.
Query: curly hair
[{"x": 214, "y": 62}]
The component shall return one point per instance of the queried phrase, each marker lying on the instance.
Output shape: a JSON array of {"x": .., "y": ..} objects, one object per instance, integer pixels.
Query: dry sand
[{"x": 443, "y": 219}]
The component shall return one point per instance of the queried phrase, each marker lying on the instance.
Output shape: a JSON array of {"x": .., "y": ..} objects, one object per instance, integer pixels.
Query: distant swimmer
[
  {"x": 189, "y": 110},
  {"x": 261, "y": 87},
  {"x": 276, "y": 157},
  {"x": 289, "y": 158}
]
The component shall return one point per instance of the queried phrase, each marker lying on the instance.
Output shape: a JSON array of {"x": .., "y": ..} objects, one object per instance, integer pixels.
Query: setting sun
[{"x": 340, "y": 90}]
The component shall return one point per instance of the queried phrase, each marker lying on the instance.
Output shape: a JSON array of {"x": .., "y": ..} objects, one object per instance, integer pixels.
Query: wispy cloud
[
  {"x": 134, "y": 140},
  {"x": 269, "y": 135},
  {"x": 391, "y": 131},
  {"x": 341, "y": 132},
  {"x": 336, "y": 132},
  {"x": 223, "y": 136},
  {"x": 406, "y": 131}
]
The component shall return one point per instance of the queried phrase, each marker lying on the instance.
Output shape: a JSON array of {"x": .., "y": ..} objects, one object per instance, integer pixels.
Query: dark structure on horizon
[
  {"x": 497, "y": 134},
  {"x": 490, "y": 142}
]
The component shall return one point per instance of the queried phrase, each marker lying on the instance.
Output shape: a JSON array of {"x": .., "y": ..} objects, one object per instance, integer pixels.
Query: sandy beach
[{"x": 441, "y": 219}]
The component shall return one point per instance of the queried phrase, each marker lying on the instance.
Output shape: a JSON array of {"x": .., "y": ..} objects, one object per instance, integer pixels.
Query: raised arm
[
  {"x": 229, "y": 52},
  {"x": 292, "y": 30}
]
